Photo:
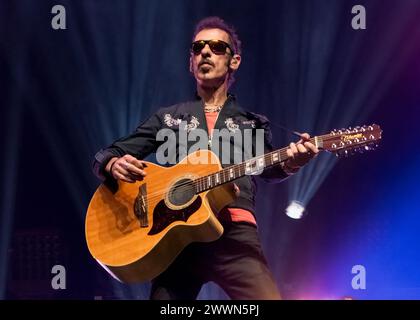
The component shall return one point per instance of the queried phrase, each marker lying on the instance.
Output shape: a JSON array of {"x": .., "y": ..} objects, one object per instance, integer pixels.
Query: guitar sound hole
[{"x": 181, "y": 192}]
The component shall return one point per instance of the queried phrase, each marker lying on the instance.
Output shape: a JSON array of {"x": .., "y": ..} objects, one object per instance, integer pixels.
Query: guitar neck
[
  {"x": 340, "y": 142},
  {"x": 252, "y": 166}
]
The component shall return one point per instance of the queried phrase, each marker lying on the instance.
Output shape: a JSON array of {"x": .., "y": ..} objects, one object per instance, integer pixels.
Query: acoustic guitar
[{"x": 137, "y": 232}]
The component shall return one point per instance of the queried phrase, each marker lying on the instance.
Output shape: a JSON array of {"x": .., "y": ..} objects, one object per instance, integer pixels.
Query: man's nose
[{"x": 206, "y": 51}]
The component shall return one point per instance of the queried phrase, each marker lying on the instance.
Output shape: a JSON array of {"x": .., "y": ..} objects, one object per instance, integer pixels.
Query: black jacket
[{"x": 142, "y": 142}]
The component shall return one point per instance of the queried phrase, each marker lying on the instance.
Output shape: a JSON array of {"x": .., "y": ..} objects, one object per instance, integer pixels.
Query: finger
[
  {"x": 121, "y": 177},
  {"x": 293, "y": 148},
  {"x": 143, "y": 163},
  {"x": 311, "y": 147},
  {"x": 134, "y": 161},
  {"x": 126, "y": 174},
  {"x": 126, "y": 166},
  {"x": 301, "y": 148},
  {"x": 290, "y": 153},
  {"x": 138, "y": 176},
  {"x": 138, "y": 163},
  {"x": 132, "y": 169},
  {"x": 305, "y": 136},
  {"x": 129, "y": 158}
]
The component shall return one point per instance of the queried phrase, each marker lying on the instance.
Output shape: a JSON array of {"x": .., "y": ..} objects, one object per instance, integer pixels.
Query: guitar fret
[
  {"x": 274, "y": 157},
  {"x": 261, "y": 163},
  {"x": 252, "y": 166}
]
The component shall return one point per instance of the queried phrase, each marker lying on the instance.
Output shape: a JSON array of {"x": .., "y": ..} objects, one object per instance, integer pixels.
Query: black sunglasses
[{"x": 216, "y": 46}]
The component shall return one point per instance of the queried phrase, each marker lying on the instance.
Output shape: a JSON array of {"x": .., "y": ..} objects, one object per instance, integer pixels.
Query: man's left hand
[{"x": 301, "y": 152}]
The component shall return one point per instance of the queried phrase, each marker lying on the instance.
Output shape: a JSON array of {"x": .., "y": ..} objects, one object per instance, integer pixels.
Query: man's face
[{"x": 209, "y": 68}]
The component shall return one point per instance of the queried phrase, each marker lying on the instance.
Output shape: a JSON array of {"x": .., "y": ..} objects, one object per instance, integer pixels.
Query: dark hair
[{"x": 218, "y": 23}]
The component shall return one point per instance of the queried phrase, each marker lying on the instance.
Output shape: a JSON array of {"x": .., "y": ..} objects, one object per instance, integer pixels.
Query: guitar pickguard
[{"x": 164, "y": 216}]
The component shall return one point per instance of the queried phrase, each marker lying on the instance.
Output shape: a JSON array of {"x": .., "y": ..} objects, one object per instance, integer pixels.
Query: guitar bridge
[{"x": 140, "y": 206}]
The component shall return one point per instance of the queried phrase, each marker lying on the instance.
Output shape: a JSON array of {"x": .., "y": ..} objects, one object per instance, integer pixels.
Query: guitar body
[{"x": 137, "y": 232}]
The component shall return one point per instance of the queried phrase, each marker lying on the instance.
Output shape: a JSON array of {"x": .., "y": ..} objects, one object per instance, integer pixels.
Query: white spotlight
[{"x": 295, "y": 210}]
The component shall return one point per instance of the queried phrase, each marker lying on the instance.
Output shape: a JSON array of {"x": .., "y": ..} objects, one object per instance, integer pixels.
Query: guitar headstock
[{"x": 345, "y": 142}]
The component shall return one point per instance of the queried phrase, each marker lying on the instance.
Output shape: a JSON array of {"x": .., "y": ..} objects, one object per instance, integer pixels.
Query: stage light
[{"x": 295, "y": 210}]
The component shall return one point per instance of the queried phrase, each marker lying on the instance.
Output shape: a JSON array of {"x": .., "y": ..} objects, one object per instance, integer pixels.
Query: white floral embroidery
[
  {"x": 169, "y": 121},
  {"x": 192, "y": 125},
  {"x": 250, "y": 122},
  {"x": 232, "y": 126}
]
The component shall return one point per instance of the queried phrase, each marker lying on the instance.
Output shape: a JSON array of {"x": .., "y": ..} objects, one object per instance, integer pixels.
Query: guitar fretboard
[{"x": 252, "y": 166}]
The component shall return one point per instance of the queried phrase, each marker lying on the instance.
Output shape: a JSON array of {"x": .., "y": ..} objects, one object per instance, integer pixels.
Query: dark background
[{"x": 64, "y": 94}]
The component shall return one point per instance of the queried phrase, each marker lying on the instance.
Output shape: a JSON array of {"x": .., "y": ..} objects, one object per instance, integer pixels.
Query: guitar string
[
  {"x": 203, "y": 179},
  {"x": 187, "y": 185},
  {"x": 225, "y": 172},
  {"x": 194, "y": 183}
]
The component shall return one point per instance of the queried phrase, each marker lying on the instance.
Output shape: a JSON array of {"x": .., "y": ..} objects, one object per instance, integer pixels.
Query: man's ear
[{"x": 235, "y": 62}]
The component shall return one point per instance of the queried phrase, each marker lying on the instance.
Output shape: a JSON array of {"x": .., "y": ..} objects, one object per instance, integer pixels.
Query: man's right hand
[{"x": 127, "y": 168}]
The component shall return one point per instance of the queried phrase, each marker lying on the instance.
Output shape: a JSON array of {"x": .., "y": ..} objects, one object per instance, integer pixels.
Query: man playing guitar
[{"x": 235, "y": 261}]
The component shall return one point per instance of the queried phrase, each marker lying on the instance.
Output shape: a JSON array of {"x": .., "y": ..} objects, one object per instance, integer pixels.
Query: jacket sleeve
[
  {"x": 139, "y": 144},
  {"x": 274, "y": 174}
]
